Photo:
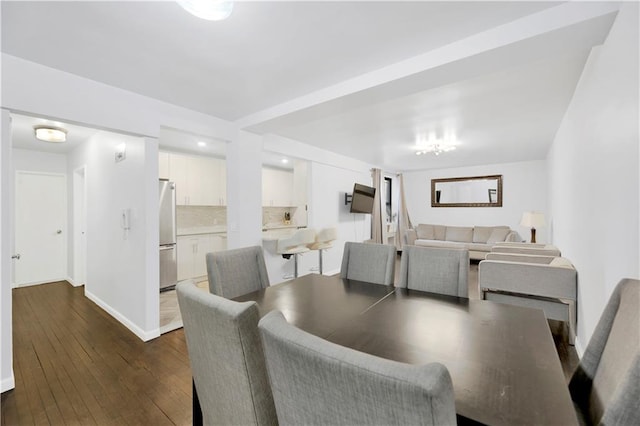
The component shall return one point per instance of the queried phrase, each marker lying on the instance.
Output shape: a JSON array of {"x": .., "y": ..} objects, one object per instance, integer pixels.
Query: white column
[
  {"x": 6, "y": 246},
  {"x": 244, "y": 190}
]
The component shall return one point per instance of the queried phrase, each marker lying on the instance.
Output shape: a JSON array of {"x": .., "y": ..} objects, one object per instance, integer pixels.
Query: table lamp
[{"x": 532, "y": 220}]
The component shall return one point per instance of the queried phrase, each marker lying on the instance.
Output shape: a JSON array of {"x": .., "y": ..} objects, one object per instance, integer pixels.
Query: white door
[{"x": 40, "y": 228}]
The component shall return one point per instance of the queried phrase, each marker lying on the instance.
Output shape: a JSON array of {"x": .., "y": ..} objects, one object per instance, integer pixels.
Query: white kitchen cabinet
[
  {"x": 192, "y": 251},
  {"x": 277, "y": 187},
  {"x": 200, "y": 181},
  {"x": 163, "y": 165}
]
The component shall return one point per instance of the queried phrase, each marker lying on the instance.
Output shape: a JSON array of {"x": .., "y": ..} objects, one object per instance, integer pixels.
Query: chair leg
[
  {"x": 295, "y": 265},
  {"x": 320, "y": 263}
]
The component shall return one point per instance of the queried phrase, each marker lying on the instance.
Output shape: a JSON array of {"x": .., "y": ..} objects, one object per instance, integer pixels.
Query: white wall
[
  {"x": 34, "y": 161},
  {"x": 593, "y": 169},
  {"x": 7, "y": 380},
  {"x": 122, "y": 267},
  {"x": 524, "y": 186}
]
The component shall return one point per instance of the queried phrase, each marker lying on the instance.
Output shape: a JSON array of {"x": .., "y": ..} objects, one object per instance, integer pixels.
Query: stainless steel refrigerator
[{"x": 168, "y": 258}]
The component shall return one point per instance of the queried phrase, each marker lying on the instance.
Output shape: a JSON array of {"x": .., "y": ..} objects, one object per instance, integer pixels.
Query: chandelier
[
  {"x": 436, "y": 148},
  {"x": 426, "y": 144}
]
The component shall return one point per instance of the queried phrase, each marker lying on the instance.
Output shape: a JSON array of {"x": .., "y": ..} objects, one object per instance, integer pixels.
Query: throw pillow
[
  {"x": 498, "y": 235},
  {"x": 425, "y": 232},
  {"x": 482, "y": 233}
]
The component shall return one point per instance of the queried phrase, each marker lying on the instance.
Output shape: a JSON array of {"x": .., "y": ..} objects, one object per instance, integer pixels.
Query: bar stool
[
  {"x": 294, "y": 245},
  {"x": 324, "y": 240}
]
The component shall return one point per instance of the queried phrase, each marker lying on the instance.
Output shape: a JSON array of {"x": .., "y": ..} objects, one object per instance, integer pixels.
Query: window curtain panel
[
  {"x": 377, "y": 225},
  {"x": 404, "y": 223}
]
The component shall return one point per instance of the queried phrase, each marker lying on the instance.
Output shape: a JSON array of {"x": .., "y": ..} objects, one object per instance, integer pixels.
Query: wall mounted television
[{"x": 362, "y": 199}]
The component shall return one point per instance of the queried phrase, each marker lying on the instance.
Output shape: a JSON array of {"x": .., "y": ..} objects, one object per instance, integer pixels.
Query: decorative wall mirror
[{"x": 475, "y": 191}]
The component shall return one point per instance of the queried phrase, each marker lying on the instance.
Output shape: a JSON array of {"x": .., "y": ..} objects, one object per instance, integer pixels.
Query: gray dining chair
[
  {"x": 236, "y": 272},
  {"x": 436, "y": 270},
  {"x": 605, "y": 386},
  {"x": 316, "y": 382},
  {"x": 227, "y": 359},
  {"x": 373, "y": 263}
]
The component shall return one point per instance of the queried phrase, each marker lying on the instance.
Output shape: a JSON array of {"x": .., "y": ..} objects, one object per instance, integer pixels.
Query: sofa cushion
[
  {"x": 482, "y": 233},
  {"x": 498, "y": 235},
  {"x": 459, "y": 233},
  {"x": 425, "y": 232},
  {"x": 440, "y": 244},
  {"x": 440, "y": 231}
]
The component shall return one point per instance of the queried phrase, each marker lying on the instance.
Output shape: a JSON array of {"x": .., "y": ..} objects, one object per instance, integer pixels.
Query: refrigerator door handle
[{"x": 171, "y": 247}]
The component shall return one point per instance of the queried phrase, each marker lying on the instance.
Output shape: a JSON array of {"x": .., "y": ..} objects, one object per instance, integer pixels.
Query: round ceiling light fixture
[
  {"x": 211, "y": 10},
  {"x": 50, "y": 134}
]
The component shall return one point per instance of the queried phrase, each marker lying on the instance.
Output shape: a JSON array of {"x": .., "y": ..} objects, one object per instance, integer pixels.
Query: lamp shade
[{"x": 532, "y": 220}]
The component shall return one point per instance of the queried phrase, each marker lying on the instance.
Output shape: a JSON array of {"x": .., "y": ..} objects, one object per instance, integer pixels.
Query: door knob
[
  {"x": 59, "y": 231},
  {"x": 16, "y": 256}
]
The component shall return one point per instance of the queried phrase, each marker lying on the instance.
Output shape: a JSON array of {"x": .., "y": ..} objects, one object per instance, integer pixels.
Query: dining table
[{"x": 502, "y": 359}]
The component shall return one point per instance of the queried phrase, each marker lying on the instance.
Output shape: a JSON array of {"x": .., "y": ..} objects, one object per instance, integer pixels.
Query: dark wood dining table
[{"x": 502, "y": 359}]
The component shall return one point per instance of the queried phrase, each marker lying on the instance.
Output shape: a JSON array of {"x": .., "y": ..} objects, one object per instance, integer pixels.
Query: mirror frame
[{"x": 498, "y": 203}]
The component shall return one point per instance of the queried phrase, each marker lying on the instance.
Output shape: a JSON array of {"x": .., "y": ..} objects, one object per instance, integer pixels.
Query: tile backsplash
[
  {"x": 275, "y": 215},
  {"x": 198, "y": 216}
]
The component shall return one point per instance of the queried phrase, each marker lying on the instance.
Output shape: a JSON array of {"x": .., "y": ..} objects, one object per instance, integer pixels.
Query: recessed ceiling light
[
  {"x": 50, "y": 134},
  {"x": 284, "y": 161},
  {"x": 202, "y": 144}
]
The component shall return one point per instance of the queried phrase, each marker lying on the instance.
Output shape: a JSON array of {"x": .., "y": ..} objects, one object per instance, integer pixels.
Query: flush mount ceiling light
[
  {"x": 50, "y": 134},
  {"x": 211, "y": 10}
]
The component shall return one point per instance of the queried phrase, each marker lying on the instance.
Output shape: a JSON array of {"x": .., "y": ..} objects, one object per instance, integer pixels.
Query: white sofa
[{"x": 477, "y": 239}]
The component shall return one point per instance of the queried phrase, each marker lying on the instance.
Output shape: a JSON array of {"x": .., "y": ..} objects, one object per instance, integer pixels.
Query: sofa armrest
[
  {"x": 528, "y": 279},
  {"x": 410, "y": 237}
]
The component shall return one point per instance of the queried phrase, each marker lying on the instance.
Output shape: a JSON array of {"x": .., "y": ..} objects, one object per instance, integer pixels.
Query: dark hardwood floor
[{"x": 75, "y": 364}]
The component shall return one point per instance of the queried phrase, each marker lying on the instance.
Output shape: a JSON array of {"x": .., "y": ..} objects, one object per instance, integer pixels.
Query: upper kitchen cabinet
[
  {"x": 277, "y": 187},
  {"x": 200, "y": 181},
  {"x": 163, "y": 165}
]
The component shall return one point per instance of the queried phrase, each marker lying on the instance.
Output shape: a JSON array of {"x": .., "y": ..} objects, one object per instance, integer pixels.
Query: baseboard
[
  {"x": 55, "y": 280},
  {"x": 73, "y": 283},
  {"x": 145, "y": 336},
  {"x": 8, "y": 383},
  {"x": 331, "y": 272}
]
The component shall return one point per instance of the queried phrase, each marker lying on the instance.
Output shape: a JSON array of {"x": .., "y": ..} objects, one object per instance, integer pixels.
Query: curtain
[
  {"x": 377, "y": 225},
  {"x": 404, "y": 223}
]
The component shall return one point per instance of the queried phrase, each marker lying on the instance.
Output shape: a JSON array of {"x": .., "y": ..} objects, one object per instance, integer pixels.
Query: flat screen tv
[{"x": 362, "y": 199}]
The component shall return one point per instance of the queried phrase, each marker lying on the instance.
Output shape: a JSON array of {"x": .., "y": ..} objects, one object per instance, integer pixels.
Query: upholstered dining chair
[
  {"x": 373, "y": 263},
  {"x": 227, "y": 359},
  {"x": 316, "y": 382},
  {"x": 232, "y": 273},
  {"x": 606, "y": 384},
  {"x": 436, "y": 270}
]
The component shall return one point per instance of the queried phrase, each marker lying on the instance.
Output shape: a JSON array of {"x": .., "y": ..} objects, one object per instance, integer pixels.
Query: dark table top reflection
[{"x": 502, "y": 358}]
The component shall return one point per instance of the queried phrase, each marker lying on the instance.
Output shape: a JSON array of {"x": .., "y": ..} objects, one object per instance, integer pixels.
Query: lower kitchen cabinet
[{"x": 192, "y": 251}]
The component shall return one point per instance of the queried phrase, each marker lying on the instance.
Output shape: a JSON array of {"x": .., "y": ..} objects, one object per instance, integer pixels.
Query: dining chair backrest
[
  {"x": 233, "y": 273},
  {"x": 606, "y": 384},
  {"x": 436, "y": 270},
  {"x": 227, "y": 359},
  {"x": 316, "y": 382},
  {"x": 373, "y": 263}
]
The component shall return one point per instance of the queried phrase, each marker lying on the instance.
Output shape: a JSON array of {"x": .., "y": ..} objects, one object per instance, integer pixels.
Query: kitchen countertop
[{"x": 199, "y": 230}]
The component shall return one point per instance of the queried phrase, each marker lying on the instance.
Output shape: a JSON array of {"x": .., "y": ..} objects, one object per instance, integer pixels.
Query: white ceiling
[{"x": 504, "y": 104}]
